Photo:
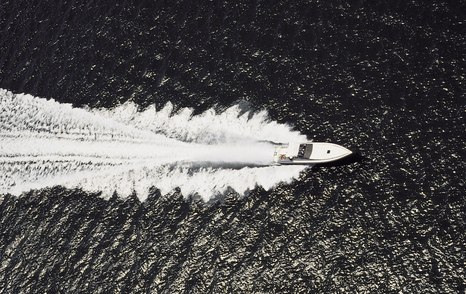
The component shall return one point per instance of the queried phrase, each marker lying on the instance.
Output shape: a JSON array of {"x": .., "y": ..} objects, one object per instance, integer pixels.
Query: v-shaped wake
[{"x": 45, "y": 143}]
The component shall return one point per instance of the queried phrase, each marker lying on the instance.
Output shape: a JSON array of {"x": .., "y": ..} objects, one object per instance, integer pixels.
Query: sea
[{"x": 136, "y": 140}]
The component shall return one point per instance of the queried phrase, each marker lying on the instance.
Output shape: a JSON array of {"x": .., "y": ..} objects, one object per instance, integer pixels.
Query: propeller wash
[{"x": 44, "y": 143}]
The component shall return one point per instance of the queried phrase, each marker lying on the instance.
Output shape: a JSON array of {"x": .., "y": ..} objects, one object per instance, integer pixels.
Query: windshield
[{"x": 305, "y": 150}]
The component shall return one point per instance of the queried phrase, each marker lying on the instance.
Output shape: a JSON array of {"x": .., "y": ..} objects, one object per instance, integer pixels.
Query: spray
[{"x": 45, "y": 143}]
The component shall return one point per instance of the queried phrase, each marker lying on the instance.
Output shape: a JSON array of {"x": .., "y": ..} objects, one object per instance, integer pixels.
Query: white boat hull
[{"x": 309, "y": 153}]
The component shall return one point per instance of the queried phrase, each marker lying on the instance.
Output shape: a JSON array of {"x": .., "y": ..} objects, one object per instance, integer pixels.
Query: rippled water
[{"x": 384, "y": 77}]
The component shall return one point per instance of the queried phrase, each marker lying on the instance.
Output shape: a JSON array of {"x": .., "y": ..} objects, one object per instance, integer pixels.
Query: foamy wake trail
[{"x": 44, "y": 143}]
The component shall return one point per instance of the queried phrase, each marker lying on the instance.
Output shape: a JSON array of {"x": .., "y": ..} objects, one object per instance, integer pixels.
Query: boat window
[
  {"x": 302, "y": 150},
  {"x": 305, "y": 150},
  {"x": 328, "y": 151}
]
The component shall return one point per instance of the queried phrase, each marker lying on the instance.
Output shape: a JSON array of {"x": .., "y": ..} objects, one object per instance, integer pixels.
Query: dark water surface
[{"x": 385, "y": 77}]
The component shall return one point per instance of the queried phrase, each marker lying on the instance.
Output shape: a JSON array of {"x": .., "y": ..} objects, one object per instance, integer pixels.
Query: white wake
[{"x": 44, "y": 143}]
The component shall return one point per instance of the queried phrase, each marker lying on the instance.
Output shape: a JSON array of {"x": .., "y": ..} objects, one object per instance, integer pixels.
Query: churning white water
[{"x": 44, "y": 143}]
